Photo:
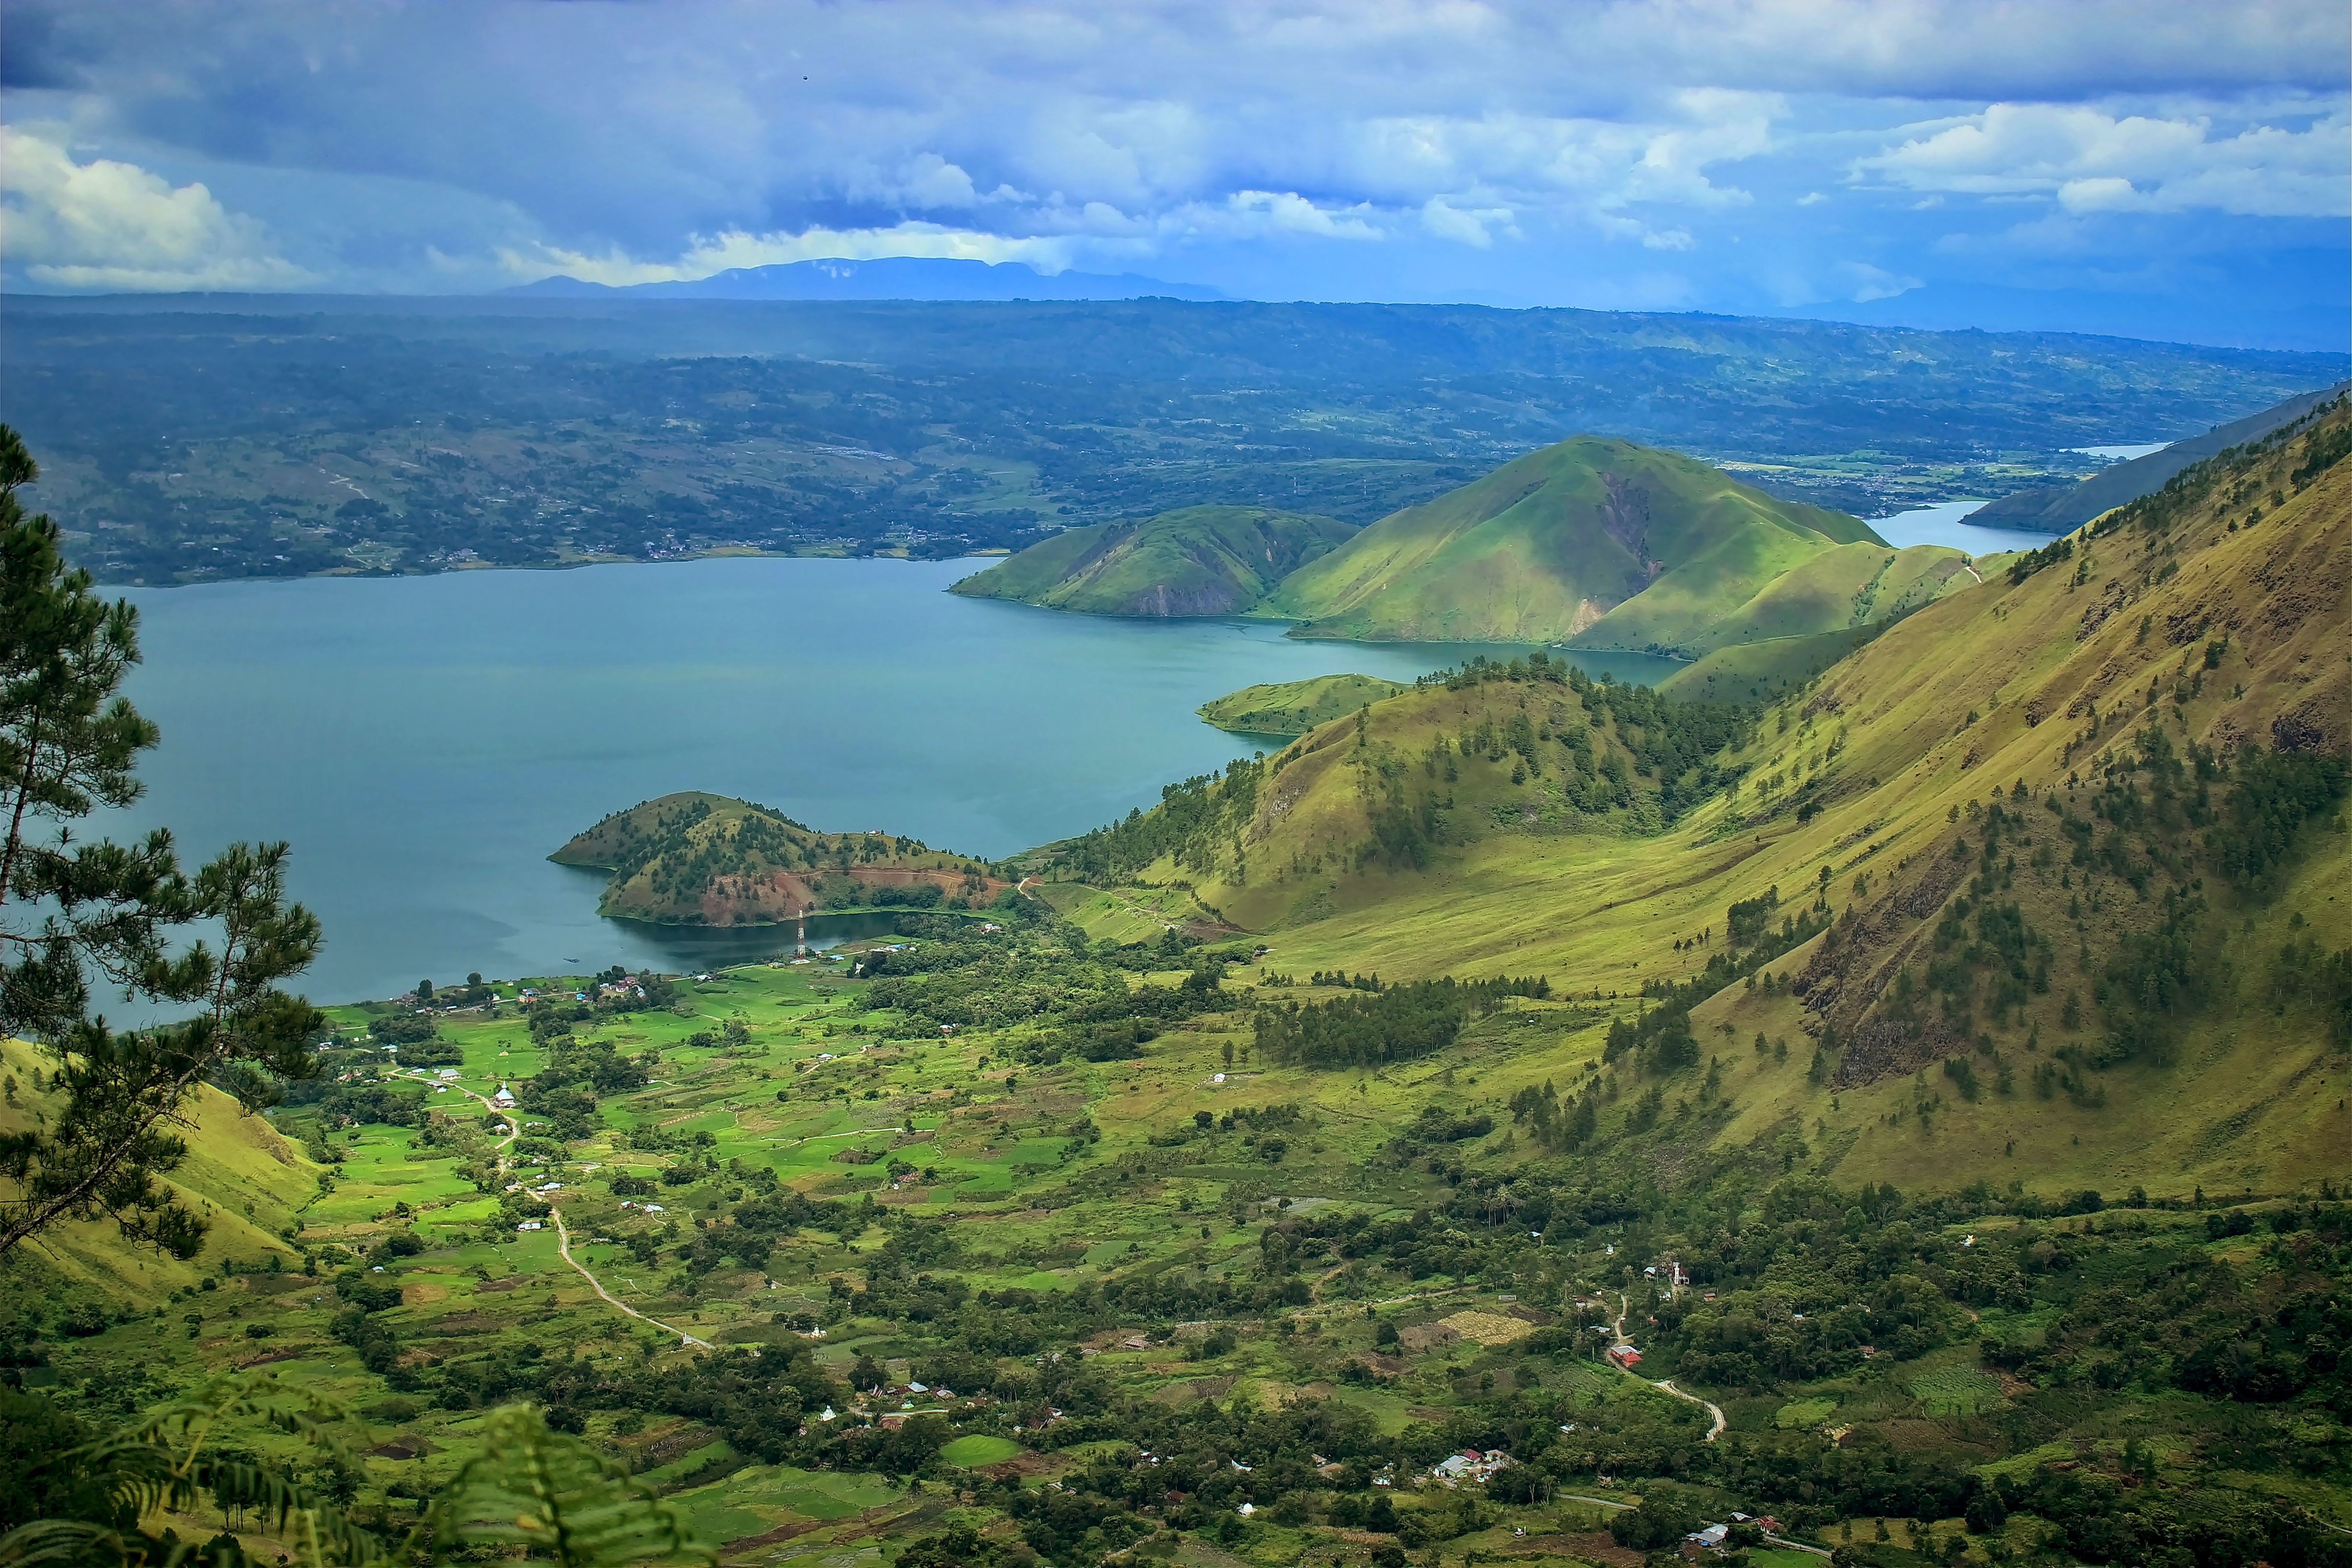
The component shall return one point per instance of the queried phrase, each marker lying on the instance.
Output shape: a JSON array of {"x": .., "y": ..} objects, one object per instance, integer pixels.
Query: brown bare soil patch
[
  {"x": 1489, "y": 1328},
  {"x": 1595, "y": 1546}
]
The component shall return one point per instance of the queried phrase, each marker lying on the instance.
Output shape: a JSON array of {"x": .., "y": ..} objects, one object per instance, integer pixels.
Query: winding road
[
  {"x": 563, "y": 1232},
  {"x": 1666, "y": 1385},
  {"x": 563, "y": 1247}
]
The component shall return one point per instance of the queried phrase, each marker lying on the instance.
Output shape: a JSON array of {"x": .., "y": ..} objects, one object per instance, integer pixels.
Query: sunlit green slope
[
  {"x": 2082, "y": 826},
  {"x": 695, "y": 858},
  {"x": 1295, "y": 707},
  {"x": 1611, "y": 543}
]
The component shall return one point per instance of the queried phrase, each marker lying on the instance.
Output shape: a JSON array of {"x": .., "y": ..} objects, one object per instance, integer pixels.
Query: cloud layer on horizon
[{"x": 1719, "y": 155}]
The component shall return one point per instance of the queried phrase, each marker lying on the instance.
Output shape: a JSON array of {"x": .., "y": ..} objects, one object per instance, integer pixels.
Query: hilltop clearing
[
  {"x": 1607, "y": 545},
  {"x": 1199, "y": 561},
  {"x": 1295, "y": 707},
  {"x": 693, "y": 859}
]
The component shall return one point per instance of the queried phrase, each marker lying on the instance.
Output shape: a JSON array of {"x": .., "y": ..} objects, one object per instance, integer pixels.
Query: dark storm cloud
[{"x": 29, "y": 52}]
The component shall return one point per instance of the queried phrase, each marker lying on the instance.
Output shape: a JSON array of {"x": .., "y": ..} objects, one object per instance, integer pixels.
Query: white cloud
[
  {"x": 1867, "y": 282},
  {"x": 112, "y": 225},
  {"x": 1286, "y": 212},
  {"x": 720, "y": 252},
  {"x": 1487, "y": 141},
  {"x": 2090, "y": 161},
  {"x": 1466, "y": 225}
]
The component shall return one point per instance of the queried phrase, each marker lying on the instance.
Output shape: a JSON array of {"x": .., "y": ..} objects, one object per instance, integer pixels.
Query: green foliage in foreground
[{"x": 73, "y": 911}]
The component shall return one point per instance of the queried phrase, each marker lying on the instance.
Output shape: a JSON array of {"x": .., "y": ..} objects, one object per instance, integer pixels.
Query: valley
[{"x": 1926, "y": 1041}]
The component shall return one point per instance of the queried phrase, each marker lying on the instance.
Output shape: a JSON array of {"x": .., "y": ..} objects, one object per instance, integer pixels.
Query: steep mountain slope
[
  {"x": 1610, "y": 544},
  {"x": 241, "y": 1175},
  {"x": 1199, "y": 560},
  {"x": 1850, "y": 585},
  {"x": 2013, "y": 880},
  {"x": 1295, "y": 707},
  {"x": 2060, "y": 508},
  {"x": 693, "y": 859}
]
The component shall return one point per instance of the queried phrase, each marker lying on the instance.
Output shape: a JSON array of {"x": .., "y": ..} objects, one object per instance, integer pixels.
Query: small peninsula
[
  {"x": 1295, "y": 707},
  {"x": 700, "y": 859}
]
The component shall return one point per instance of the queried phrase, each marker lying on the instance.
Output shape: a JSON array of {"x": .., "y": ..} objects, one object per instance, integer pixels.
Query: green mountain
[
  {"x": 1598, "y": 542},
  {"x": 1199, "y": 561},
  {"x": 1295, "y": 707},
  {"x": 699, "y": 859}
]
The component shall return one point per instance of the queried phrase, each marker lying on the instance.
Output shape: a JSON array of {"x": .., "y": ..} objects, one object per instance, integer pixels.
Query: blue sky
[{"x": 2161, "y": 170}]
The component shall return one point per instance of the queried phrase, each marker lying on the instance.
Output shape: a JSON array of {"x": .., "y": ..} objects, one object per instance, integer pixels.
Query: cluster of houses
[
  {"x": 1469, "y": 1465},
  {"x": 935, "y": 1400},
  {"x": 1714, "y": 1540}
]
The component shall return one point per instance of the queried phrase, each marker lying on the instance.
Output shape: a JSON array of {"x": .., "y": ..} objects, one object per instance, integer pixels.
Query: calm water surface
[
  {"x": 424, "y": 743},
  {"x": 1945, "y": 523}
]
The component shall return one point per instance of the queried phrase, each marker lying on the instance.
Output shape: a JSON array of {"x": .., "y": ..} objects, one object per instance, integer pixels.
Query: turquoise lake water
[{"x": 424, "y": 743}]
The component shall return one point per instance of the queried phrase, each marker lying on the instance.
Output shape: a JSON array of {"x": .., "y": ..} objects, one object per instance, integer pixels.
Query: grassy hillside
[
  {"x": 1611, "y": 543},
  {"x": 1842, "y": 588},
  {"x": 693, "y": 859},
  {"x": 1295, "y": 707},
  {"x": 1199, "y": 560},
  {"x": 1748, "y": 672},
  {"x": 1469, "y": 825},
  {"x": 244, "y": 1178}
]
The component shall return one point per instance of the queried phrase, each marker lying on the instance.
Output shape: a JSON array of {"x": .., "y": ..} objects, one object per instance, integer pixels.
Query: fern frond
[{"x": 555, "y": 1495}]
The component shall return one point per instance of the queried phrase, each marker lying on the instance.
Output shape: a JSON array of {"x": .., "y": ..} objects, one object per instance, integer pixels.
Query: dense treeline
[
  {"x": 1398, "y": 1023},
  {"x": 1194, "y": 822},
  {"x": 1670, "y": 741}
]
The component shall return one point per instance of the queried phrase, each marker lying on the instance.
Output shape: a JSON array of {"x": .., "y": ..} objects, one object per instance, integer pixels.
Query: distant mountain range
[
  {"x": 2061, "y": 509},
  {"x": 891, "y": 277}
]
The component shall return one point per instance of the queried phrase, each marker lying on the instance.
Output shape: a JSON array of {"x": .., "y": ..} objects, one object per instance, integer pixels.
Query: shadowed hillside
[{"x": 1199, "y": 561}]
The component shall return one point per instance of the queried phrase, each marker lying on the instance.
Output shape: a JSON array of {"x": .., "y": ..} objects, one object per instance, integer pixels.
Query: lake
[
  {"x": 424, "y": 743},
  {"x": 1945, "y": 523}
]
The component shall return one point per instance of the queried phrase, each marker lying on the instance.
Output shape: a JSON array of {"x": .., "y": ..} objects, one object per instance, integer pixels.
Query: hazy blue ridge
[{"x": 890, "y": 278}]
